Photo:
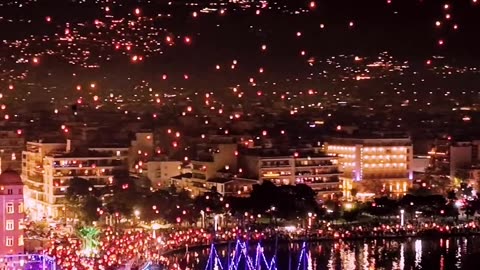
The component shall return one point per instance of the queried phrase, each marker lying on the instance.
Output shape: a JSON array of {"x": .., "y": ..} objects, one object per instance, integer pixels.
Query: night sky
[{"x": 406, "y": 29}]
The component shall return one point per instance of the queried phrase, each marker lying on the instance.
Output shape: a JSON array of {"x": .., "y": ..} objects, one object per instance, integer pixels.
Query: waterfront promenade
[{"x": 118, "y": 247}]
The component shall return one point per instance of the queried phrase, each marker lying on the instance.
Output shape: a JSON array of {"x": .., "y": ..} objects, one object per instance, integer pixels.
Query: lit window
[
  {"x": 20, "y": 207},
  {"x": 10, "y": 208},
  {"x": 20, "y": 240},
  {"x": 9, "y": 225},
  {"x": 9, "y": 242}
]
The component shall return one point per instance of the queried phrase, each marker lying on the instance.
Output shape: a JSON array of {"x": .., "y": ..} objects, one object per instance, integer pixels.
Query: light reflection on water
[{"x": 400, "y": 254}]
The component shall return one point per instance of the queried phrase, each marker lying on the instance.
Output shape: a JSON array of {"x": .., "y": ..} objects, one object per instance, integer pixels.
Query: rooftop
[
  {"x": 372, "y": 135},
  {"x": 274, "y": 152},
  {"x": 10, "y": 177},
  {"x": 80, "y": 154},
  {"x": 220, "y": 180}
]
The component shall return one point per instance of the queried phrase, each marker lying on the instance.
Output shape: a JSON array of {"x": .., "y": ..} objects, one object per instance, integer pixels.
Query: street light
[
  {"x": 402, "y": 217},
  {"x": 215, "y": 219},
  {"x": 348, "y": 206},
  {"x": 203, "y": 218},
  {"x": 155, "y": 227}
]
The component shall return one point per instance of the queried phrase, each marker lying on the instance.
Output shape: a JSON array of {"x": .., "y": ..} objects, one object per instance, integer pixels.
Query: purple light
[{"x": 258, "y": 262}]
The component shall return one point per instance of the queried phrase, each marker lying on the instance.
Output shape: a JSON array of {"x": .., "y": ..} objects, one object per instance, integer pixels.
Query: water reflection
[{"x": 396, "y": 254}]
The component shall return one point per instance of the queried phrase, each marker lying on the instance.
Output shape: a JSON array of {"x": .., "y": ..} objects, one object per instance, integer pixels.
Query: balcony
[
  {"x": 35, "y": 187},
  {"x": 60, "y": 200},
  {"x": 384, "y": 176},
  {"x": 320, "y": 173},
  {"x": 274, "y": 164},
  {"x": 275, "y": 174},
  {"x": 314, "y": 164},
  {"x": 324, "y": 188},
  {"x": 58, "y": 192},
  {"x": 88, "y": 164},
  {"x": 35, "y": 178}
]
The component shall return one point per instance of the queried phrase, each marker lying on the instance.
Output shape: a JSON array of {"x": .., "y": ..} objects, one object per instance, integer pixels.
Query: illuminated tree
[{"x": 89, "y": 236}]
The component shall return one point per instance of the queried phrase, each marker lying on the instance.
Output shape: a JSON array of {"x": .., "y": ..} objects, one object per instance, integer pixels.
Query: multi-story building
[
  {"x": 374, "y": 164},
  {"x": 48, "y": 168},
  {"x": 317, "y": 170},
  {"x": 160, "y": 172},
  {"x": 11, "y": 214},
  {"x": 448, "y": 157},
  {"x": 212, "y": 159},
  {"x": 12, "y": 143},
  {"x": 141, "y": 150}
]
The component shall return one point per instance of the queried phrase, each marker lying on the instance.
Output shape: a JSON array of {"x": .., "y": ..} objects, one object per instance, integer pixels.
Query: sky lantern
[{"x": 137, "y": 11}]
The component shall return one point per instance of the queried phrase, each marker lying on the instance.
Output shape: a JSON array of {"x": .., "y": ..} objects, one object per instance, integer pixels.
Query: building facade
[
  {"x": 316, "y": 170},
  {"x": 48, "y": 168},
  {"x": 373, "y": 165},
  {"x": 213, "y": 159},
  {"x": 11, "y": 214},
  {"x": 160, "y": 172}
]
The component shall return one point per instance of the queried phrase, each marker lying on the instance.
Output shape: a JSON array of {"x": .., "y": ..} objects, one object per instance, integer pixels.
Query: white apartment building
[
  {"x": 378, "y": 160},
  {"x": 48, "y": 167},
  {"x": 316, "y": 170},
  {"x": 160, "y": 172}
]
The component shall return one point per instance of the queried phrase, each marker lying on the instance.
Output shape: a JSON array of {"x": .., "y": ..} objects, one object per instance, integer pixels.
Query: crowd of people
[
  {"x": 117, "y": 248},
  {"x": 114, "y": 249}
]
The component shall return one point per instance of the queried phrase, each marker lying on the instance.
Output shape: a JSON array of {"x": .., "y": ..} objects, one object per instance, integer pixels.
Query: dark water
[{"x": 399, "y": 254}]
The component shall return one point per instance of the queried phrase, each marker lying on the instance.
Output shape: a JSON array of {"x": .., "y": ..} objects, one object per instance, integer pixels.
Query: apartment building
[
  {"x": 160, "y": 172},
  {"x": 212, "y": 158},
  {"x": 49, "y": 166},
  {"x": 11, "y": 214},
  {"x": 317, "y": 170},
  {"x": 447, "y": 156},
  {"x": 373, "y": 164}
]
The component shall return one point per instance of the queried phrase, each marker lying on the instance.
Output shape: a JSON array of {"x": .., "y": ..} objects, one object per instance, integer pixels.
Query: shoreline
[{"x": 433, "y": 235}]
